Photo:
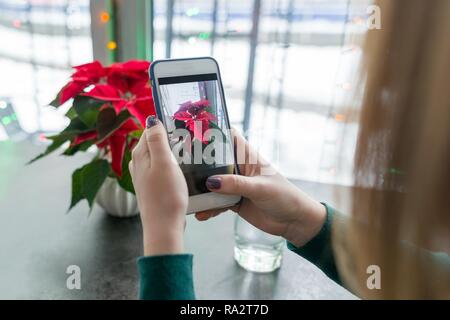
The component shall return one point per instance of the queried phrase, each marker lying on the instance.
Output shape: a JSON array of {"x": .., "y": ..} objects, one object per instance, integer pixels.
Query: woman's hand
[
  {"x": 161, "y": 191},
  {"x": 271, "y": 203}
]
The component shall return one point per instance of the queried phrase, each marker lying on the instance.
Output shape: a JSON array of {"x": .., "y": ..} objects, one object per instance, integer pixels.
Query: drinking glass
[{"x": 256, "y": 250}]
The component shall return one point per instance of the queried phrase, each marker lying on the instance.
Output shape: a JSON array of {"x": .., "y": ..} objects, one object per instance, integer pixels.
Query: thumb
[
  {"x": 157, "y": 141},
  {"x": 233, "y": 184}
]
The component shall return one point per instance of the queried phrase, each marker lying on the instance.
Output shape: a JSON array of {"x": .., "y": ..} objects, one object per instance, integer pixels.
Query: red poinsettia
[
  {"x": 123, "y": 86},
  {"x": 126, "y": 86},
  {"x": 84, "y": 76},
  {"x": 109, "y": 109},
  {"x": 195, "y": 117},
  {"x": 116, "y": 143}
]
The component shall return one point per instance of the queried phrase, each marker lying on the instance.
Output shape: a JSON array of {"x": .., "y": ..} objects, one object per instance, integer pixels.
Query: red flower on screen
[{"x": 195, "y": 117}]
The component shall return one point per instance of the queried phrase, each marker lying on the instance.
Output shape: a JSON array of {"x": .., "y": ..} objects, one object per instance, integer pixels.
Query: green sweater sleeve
[
  {"x": 166, "y": 277},
  {"x": 319, "y": 250}
]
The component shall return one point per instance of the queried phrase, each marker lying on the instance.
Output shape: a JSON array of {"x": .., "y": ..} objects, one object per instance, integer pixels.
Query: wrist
[
  {"x": 311, "y": 216},
  {"x": 163, "y": 234},
  {"x": 162, "y": 241}
]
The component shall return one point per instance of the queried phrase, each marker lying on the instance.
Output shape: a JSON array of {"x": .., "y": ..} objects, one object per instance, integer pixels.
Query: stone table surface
[{"x": 39, "y": 240}]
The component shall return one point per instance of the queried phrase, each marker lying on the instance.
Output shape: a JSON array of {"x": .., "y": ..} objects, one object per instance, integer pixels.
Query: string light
[
  {"x": 6, "y": 120},
  {"x": 204, "y": 35},
  {"x": 192, "y": 12},
  {"x": 112, "y": 45},
  {"x": 339, "y": 117},
  {"x": 104, "y": 17},
  {"x": 17, "y": 23}
]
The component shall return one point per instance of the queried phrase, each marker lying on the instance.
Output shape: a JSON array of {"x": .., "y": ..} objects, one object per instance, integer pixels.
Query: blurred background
[{"x": 289, "y": 67}]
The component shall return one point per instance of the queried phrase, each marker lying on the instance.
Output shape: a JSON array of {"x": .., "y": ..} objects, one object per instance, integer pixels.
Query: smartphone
[{"x": 190, "y": 102}]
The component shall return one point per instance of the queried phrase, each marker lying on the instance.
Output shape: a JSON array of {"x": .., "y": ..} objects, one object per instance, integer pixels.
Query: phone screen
[{"x": 197, "y": 124}]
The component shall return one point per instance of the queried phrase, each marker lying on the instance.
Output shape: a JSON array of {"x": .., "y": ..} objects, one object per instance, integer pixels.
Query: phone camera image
[{"x": 197, "y": 126}]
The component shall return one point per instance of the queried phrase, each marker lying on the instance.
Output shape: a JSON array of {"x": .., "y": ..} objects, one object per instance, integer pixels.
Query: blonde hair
[{"x": 401, "y": 202}]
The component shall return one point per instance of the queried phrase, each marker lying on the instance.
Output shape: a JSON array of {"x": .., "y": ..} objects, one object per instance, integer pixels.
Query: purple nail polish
[
  {"x": 151, "y": 121},
  {"x": 213, "y": 183}
]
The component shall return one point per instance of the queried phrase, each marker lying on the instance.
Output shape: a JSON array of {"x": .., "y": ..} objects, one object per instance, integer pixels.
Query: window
[
  {"x": 289, "y": 66},
  {"x": 41, "y": 40},
  {"x": 289, "y": 88}
]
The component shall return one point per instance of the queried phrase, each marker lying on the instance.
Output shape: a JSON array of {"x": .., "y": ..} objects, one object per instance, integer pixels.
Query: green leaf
[
  {"x": 56, "y": 143},
  {"x": 125, "y": 181},
  {"x": 77, "y": 193},
  {"x": 87, "y": 109},
  {"x": 179, "y": 124},
  {"x": 86, "y": 181},
  {"x": 79, "y": 147},
  {"x": 55, "y": 102},
  {"x": 136, "y": 134},
  {"x": 71, "y": 113},
  {"x": 75, "y": 127},
  {"x": 93, "y": 176},
  {"x": 210, "y": 110},
  {"x": 108, "y": 122}
]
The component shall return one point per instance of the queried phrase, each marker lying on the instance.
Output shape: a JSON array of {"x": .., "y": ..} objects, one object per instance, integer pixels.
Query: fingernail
[
  {"x": 151, "y": 121},
  {"x": 213, "y": 183}
]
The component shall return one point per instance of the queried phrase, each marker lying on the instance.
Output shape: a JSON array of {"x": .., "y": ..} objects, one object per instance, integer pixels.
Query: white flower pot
[{"x": 116, "y": 201}]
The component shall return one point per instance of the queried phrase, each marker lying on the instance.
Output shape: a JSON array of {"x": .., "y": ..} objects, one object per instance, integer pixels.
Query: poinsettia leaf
[
  {"x": 56, "y": 143},
  {"x": 87, "y": 180},
  {"x": 71, "y": 113},
  {"x": 77, "y": 193},
  {"x": 105, "y": 121},
  {"x": 136, "y": 134},
  {"x": 179, "y": 124},
  {"x": 92, "y": 177},
  {"x": 125, "y": 181},
  {"x": 75, "y": 127},
  {"x": 87, "y": 109},
  {"x": 210, "y": 110},
  {"x": 56, "y": 102},
  {"x": 108, "y": 122},
  {"x": 79, "y": 147}
]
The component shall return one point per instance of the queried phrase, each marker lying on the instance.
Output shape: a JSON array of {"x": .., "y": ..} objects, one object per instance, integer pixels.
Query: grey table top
[{"x": 39, "y": 240}]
